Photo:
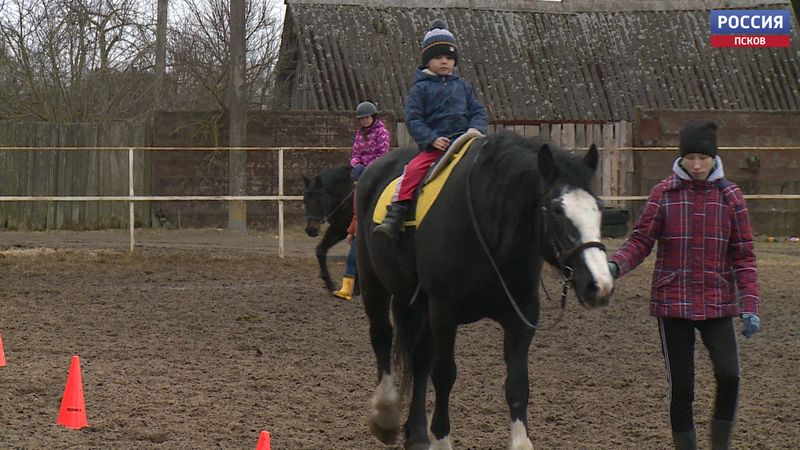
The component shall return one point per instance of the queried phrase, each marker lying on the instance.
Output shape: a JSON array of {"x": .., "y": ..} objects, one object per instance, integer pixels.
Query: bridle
[
  {"x": 563, "y": 255},
  {"x": 325, "y": 218}
]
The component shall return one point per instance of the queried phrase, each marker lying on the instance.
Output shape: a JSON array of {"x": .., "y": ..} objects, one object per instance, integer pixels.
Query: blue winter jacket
[{"x": 441, "y": 106}]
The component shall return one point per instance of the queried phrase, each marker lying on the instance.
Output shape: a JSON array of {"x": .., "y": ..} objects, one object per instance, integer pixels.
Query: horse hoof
[
  {"x": 386, "y": 436},
  {"x": 417, "y": 446}
]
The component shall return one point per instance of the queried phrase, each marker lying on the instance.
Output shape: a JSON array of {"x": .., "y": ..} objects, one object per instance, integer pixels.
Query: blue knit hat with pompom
[{"x": 438, "y": 41}]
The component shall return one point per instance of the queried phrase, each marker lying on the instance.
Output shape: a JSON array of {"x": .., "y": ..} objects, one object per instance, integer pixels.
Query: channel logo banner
[{"x": 750, "y": 28}]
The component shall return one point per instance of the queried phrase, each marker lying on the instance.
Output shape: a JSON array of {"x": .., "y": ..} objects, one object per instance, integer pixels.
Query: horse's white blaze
[
  {"x": 581, "y": 208},
  {"x": 598, "y": 264},
  {"x": 519, "y": 437},
  {"x": 386, "y": 403},
  {"x": 441, "y": 444}
]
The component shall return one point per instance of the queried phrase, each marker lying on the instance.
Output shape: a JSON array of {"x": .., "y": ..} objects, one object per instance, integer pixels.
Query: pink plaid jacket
[{"x": 705, "y": 266}]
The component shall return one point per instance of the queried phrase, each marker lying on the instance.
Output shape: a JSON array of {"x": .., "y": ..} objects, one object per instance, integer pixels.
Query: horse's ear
[
  {"x": 305, "y": 180},
  {"x": 591, "y": 158},
  {"x": 547, "y": 165}
]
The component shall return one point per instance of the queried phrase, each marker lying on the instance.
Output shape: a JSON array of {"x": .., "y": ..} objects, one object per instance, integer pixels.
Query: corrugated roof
[{"x": 526, "y": 65}]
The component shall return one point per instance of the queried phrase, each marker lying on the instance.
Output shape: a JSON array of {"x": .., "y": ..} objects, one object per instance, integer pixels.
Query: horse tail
[{"x": 410, "y": 325}]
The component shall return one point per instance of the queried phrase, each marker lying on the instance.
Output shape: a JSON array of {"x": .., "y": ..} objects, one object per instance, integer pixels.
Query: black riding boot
[
  {"x": 721, "y": 431},
  {"x": 393, "y": 222}
]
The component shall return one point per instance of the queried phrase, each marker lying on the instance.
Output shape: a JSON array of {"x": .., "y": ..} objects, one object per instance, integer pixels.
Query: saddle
[{"x": 431, "y": 185}]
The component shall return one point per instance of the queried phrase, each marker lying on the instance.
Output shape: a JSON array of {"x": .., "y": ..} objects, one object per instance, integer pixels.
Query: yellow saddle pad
[{"x": 428, "y": 195}]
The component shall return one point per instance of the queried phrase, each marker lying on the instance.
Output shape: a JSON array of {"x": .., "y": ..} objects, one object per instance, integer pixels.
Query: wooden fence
[
  {"x": 48, "y": 168},
  {"x": 44, "y": 171}
]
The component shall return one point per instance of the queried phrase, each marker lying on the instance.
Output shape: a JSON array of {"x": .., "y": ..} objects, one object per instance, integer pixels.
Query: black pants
[{"x": 677, "y": 343}]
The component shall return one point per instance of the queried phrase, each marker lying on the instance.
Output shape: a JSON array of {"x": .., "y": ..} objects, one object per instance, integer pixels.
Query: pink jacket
[{"x": 372, "y": 146}]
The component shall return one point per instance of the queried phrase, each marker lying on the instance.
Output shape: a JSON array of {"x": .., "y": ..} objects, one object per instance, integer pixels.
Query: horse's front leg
[
  {"x": 333, "y": 235},
  {"x": 516, "y": 344},
  {"x": 443, "y": 376}
]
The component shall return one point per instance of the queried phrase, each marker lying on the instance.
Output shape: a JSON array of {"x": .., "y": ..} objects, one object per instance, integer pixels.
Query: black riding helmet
[{"x": 366, "y": 109}]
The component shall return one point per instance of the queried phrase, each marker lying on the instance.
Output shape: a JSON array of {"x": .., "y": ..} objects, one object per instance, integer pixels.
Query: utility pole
[
  {"x": 161, "y": 53},
  {"x": 237, "y": 114}
]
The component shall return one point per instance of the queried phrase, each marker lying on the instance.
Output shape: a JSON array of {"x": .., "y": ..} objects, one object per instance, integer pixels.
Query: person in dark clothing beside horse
[
  {"x": 705, "y": 275},
  {"x": 439, "y": 106}
]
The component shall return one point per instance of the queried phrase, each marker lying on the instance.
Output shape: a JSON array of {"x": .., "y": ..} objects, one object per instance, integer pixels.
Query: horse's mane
[
  {"x": 508, "y": 152},
  {"x": 507, "y": 184},
  {"x": 336, "y": 179}
]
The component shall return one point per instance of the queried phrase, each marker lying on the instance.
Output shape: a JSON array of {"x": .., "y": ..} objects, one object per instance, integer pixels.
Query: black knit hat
[
  {"x": 699, "y": 136},
  {"x": 438, "y": 41}
]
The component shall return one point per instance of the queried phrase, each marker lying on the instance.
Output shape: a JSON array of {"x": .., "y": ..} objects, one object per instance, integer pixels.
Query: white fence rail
[{"x": 132, "y": 198}]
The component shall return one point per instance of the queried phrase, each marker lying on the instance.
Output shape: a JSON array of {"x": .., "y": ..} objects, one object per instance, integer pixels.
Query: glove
[
  {"x": 614, "y": 269},
  {"x": 752, "y": 323},
  {"x": 358, "y": 169}
]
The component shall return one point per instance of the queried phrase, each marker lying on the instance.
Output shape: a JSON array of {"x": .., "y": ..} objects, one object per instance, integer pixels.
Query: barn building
[{"x": 619, "y": 73}]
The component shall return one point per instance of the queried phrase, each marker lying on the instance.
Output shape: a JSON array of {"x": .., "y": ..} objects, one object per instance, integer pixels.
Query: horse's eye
[{"x": 557, "y": 208}]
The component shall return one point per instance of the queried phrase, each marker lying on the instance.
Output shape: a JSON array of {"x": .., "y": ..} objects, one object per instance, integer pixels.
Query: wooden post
[
  {"x": 531, "y": 131},
  {"x": 555, "y": 134},
  {"x": 161, "y": 52},
  {"x": 608, "y": 160},
  {"x": 280, "y": 203},
  {"x": 569, "y": 135},
  {"x": 130, "y": 203},
  {"x": 623, "y": 157},
  {"x": 237, "y": 112}
]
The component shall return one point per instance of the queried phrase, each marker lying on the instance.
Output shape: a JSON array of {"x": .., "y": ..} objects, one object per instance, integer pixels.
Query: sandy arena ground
[{"x": 201, "y": 339}]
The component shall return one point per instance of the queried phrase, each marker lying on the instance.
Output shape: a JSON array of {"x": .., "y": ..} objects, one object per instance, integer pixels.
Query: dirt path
[{"x": 183, "y": 348}]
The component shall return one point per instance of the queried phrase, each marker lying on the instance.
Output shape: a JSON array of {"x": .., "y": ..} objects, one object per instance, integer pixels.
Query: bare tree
[
  {"x": 74, "y": 60},
  {"x": 92, "y": 60},
  {"x": 200, "y": 52}
]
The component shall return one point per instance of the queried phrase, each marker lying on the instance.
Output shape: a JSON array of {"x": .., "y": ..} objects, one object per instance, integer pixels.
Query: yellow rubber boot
[{"x": 346, "y": 292}]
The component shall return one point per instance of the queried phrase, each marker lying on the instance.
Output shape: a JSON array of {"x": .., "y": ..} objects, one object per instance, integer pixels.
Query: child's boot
[
  {"x": 394, "y": 220},
  {"x": 346, "y": 292}
]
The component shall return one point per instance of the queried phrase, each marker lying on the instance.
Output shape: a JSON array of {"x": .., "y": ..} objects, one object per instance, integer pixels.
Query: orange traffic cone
[
  {"x": 73, "y": 410},
  {"x": 263, "y": 441},
  {"x": 2, "y": 355}
]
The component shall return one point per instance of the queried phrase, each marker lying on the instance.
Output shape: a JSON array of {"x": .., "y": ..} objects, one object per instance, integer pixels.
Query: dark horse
[
  {"x": 328, "y": 197},
  {"x": 510, "y": 205}
]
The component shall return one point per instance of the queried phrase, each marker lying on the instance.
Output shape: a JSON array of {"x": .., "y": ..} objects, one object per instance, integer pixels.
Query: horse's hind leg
[
  {"x": 332, "y": 236},
  {"x": 384, "y": 421},
  {"x": 516, "y": 343},
  {"x": 443, "y": 376},
  {"x": 414, "y": 339}
]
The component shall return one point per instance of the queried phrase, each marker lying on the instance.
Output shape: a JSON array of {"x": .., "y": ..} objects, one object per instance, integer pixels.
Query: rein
[
  {"x": 474, "y": 219},
  {"x": 333, "y": 211},
  {"x": 561, "y": 255}
]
